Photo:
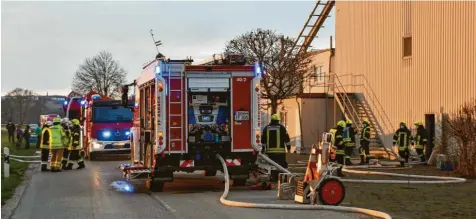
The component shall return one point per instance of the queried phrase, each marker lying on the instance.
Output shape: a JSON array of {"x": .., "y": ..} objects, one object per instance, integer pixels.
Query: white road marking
[{"x": 164, "y": 204}]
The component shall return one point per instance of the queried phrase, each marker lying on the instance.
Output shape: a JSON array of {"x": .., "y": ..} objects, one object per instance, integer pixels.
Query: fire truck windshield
[{"x": 105, "y": 114}]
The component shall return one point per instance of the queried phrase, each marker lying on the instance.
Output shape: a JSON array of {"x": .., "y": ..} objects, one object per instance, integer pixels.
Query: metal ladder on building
[
  {"x": 171, "y": 114},
  {"x": 313, "y": 24}
]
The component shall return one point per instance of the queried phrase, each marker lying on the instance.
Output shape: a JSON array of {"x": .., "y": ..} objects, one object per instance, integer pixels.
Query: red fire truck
[
  {"x": 106, "y": 124},
  {"x": 186, "y": 114}
]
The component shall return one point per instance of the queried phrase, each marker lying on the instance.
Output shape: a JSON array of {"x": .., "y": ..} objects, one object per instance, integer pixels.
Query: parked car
[{"x": 33, "y": 136}]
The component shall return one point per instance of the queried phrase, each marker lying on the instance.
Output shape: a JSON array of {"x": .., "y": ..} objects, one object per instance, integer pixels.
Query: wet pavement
[{"x": 88, "y": 193}]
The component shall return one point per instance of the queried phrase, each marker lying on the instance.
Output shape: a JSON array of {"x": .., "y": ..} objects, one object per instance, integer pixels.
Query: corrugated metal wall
[{"x": 442, "y": 70}]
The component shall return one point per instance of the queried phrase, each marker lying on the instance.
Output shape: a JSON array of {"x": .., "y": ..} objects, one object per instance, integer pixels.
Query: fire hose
[{"x": 230, "y": 203}]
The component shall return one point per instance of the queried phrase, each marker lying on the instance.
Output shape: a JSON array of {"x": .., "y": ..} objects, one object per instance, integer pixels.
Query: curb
[{"x": 11, "y": 204}]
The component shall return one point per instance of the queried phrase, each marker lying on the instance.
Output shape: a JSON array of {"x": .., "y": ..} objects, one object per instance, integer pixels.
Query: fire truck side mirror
[{"x": 124, "y": 99}]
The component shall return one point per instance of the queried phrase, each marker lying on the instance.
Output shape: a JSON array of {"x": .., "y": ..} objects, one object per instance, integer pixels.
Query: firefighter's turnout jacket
[
  {"x": 402, "y": 138},
  {"x": 421, "y": 138},
  {"x": 275, "y": 138}
]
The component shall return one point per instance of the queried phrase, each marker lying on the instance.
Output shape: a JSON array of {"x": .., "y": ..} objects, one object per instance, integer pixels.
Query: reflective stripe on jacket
[
  {"x": 275, "y": 138},
  {"x": 349, "y": 137}
]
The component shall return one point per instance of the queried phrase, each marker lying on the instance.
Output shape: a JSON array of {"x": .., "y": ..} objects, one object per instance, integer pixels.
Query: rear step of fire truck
[{"x": 135, "y": 172}]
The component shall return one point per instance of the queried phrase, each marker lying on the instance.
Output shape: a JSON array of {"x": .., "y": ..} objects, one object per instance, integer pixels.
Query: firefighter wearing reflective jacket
[
  {"x": 45, "y": 145},
  {"x": 349, "y": 140},
  {"x": 67, "y": 131},
  {"x": 339, "y": 145},
  {"x": 420, "y": 140},
  {"x": 57, "y": 143},
  {"x": 402, "y": 138},
  {"x": 74, "y": 156},
  {"x": 365, "y": 142},
  {"x": 275, "y": 141}
]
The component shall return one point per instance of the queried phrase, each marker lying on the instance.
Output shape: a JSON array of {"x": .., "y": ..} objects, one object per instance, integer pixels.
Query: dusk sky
[{"x": 44, "y": 42}]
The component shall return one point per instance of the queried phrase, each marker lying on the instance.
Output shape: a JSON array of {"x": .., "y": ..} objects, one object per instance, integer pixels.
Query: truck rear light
[
  {"x": 161, "y": 142},
  {"x": 161, "y": 87},
  {"x": 162, "y": 155},
  {"x": 257, "y": 87}
]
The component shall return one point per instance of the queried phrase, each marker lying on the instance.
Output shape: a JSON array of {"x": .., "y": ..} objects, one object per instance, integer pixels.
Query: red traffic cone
[{"x": 311, "y": 171}]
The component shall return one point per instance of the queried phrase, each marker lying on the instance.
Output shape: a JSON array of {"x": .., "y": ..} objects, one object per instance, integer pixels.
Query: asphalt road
[{"x": 87, "y": 194}]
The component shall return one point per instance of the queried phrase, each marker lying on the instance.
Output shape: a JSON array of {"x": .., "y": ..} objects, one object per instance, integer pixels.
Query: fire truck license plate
[{"x": 242, "y": 115}]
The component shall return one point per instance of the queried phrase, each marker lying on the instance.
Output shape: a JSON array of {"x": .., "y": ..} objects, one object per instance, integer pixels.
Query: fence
[{"x": 24, "y": 159}]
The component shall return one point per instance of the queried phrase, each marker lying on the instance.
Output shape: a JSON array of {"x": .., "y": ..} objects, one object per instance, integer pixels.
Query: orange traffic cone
[{"x": 311, "y": 171}]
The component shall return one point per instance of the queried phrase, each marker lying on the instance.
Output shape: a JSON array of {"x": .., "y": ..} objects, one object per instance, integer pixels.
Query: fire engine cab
[{"x": 186, "y": 114}]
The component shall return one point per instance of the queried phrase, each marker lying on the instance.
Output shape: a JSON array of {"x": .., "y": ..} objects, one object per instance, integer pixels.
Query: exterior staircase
[{"x": 358, "y": 106}]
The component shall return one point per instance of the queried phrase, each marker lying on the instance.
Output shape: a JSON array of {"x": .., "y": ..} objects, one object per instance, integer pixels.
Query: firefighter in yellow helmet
[
  {"x": 339, "y": 144},
  {"x": 349, "y": 140},
  {"x": 57, "y": 142},
  {"x": 420, "y": 140},
  {"x": 402, "y": 138},
  {"x": 67, "y": 140},
  {"x": 75, "y": 147},
  {"x": 365, "y": 142},
  {"x": 275, "y": 141},
  {"x": 45, "y": 145}
]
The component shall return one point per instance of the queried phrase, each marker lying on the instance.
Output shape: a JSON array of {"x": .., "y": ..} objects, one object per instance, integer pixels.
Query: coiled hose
[{"x": 230, "y": 203}]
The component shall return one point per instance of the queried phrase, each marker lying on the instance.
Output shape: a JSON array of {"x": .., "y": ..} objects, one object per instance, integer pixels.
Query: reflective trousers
[{"x": 56, "y": 157}]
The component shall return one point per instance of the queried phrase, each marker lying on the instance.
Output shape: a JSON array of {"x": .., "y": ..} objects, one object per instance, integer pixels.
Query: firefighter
[
  {"x": 274, "y": 140},
  {"x": 57, "y": 143},
  {"x": 349, "y": 140},
  {"x": 402, "y": 138},
  {"x": 420, "y": 140},
  {"x": 75, "y": 147},
  {"x": 45, "y": 145},
  {"x": 339, "y": 145},
  {"x": 11, "y": 131},
  {"x": 365, "y": 142},
  {"x": 332, "y": 155},
  {"x": 64, "y": 125}
]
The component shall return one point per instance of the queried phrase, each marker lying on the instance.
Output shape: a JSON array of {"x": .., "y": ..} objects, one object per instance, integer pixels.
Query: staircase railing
[
  {"x": 345, "y": 102},
  {"x": 382, "y": 124}
]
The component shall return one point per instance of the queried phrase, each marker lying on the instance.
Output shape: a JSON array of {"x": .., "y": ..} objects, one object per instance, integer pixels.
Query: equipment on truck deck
[
  {"x": 318, "y": 181},
  {"x": 186, "y": 114}
]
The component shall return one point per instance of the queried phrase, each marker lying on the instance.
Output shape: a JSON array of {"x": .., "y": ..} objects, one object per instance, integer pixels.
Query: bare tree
[
  {"x": 100, "y": 73},
  {"x": 18, "y": 103},
  {"x": 285, "y": 74}
]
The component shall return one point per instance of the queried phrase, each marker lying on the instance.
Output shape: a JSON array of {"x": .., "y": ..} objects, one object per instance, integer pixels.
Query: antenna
[{"x": 157, "y": 43}]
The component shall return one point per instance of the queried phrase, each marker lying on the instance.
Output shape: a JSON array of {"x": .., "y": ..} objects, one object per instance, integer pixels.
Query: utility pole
[{"x": 156, "y": 43}]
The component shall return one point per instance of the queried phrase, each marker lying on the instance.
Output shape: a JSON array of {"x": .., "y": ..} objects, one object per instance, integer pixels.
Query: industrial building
[{"x": 394, "y": 61}]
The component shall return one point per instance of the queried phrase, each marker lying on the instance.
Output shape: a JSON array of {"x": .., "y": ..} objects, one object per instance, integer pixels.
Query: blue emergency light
[
  {"x": 106, "y": 134},
  {"x": 158, "y": 70},
  {"x": 258, "y": 69},
  {"x": 65, "y": 102},
  {"x": 83, "y": 102}
]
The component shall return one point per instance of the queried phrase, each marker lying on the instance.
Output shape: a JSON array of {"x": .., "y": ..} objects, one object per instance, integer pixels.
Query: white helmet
[
  {"x": 69, "y": 124},
  {"x": 49, "y": 123},
  {"x": 64, "y": 120}
]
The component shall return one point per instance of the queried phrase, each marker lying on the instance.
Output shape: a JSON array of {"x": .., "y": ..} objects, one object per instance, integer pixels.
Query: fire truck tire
[
  {"x": 156, "y": 186},
  {"x": 211, "y": 172},
  {"x": 331, "y": 191}
]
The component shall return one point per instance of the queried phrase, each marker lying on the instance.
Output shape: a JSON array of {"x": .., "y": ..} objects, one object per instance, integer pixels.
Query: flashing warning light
[
  {"x": 257, "y": 87},
  {"x": 158, "y": 70},
  {"x": 258, "y": 69},
  {"x": 161, "y": 134},
  {"x": 106, "y": 134},
  {"x": 96, "y": 97},
  {"x": 128, "y": 133},
  {"x": 83, "y": 102},
  {"x": 136, "y": 105},
  {"x": 65, "y": 102}
]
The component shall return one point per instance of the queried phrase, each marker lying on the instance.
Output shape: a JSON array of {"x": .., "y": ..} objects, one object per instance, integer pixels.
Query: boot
[
  {"x": 63, "y": 164},
  {"x": 44, "y": 168},
  {"x": 81, "y": 165},
  {"x": 348, "y": 162},
  {"x": 367, "y": 160},
  {"x": 69, "y": 166}
]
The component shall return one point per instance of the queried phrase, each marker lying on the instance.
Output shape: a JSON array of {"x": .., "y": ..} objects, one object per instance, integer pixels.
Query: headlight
[
  {"x": 96, "y": 145},
  {"x": 106, "y": 134},
  {"x": 128, "y": 133}
]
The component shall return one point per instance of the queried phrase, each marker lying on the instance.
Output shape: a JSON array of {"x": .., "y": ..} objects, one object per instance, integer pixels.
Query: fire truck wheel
[
  {"x": 210, "y": 172},
  {"x": 156, "y": 186},
  {"x": 331, "y": 191}
]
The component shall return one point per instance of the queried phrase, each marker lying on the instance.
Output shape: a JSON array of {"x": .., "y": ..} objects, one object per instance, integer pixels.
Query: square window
[{"x": 407, "y": 46}]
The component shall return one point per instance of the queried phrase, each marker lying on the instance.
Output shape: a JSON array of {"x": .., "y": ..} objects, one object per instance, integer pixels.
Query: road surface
[{"x": 87, "y": 194}]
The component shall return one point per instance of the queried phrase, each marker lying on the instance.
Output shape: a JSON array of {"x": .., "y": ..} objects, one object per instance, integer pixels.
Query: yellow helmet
[
  {"x": 418, "y": 122},
  {"x": 56, "y": 120},
  {"x": 275, "y": 117},
  {"x": 366, "y": 121},
  {"x": 75, "y": 121},
  {"x": 403, "y": 123},
  {"x": 349, "y": 121},
  {"x": 341, "y": 123}
]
